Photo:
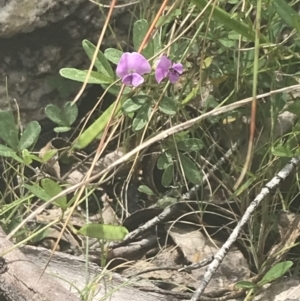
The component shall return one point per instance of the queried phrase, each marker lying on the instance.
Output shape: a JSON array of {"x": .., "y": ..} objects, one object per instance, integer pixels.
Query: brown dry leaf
[
  {"x": 285, "y": 222},
  {"x": 196, "y": 247},
  {"x": 190, "y": 241},
  {"x": 289, "y": 229},
  {"x": 109, "y": 216},
  {"x": 52, "y": 166},
  {"x": 75, "y": 177}
]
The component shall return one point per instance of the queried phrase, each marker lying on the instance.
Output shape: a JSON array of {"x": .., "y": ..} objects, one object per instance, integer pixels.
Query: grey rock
[
  {"x": 37, "y": 39},
  {"x": 23, "y": 16}
]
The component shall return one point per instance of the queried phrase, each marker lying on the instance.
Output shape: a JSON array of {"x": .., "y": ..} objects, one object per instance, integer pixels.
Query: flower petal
[
  {"x": 178, "y": 67},
  {"x": 133, "y": 79},
  {"x": 140, "y": 64},
  {"x": 132, "y": 63},
  {"x": 137, "y": 79},
  {"x": 160, "y": 74},
  {"x": 122, "y": 67},
  {"x": 164, "y": 63},
  {"x": 173, "y": 76},
  {"x": 162, "y": 68}
]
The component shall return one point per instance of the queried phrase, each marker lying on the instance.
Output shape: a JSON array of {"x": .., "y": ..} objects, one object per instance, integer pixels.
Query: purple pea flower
[
  {"x": 131, "y": 67},
  {"x": 165, "y": 68}
]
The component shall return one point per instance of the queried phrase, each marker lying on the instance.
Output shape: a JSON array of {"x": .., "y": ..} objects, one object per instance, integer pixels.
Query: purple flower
[
  {"x": 165, "y": 68},
  {"x": 131, "y": 67}
]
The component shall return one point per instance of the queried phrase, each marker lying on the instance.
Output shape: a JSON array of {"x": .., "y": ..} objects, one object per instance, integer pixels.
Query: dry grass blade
[{"x": 164, "y": 134}]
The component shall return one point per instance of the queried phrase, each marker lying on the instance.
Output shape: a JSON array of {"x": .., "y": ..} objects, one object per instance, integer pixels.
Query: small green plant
[
  {"x": 16, "y": 144},
  {"x": 63, "y": 117},
  {"x": 105, "y": 232},
  {"x": 166, "y": 162},
  {"x": 276, "y": 272},
  {"x": 47, "y": 190}
]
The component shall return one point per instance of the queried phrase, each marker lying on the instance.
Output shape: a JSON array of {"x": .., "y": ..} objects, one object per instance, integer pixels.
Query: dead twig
[{"x": 219, "y": 256}]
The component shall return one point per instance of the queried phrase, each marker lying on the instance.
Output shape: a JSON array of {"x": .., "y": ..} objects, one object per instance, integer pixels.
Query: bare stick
[
  {"x": 218, "y": 258},
  {"x": 151, "y": 223}
]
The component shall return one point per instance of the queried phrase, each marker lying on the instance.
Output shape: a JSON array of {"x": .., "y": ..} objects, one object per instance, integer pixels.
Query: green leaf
[
  {"x": 9, "y": 131},
  {"x": 287, "y": 13},
  {"x": 140, "y": 29},
  {"x": 164, "y": 160},
  {"x": 41, "y": 235},
  {"x": 145, "y": 189},
  {"x": 191, "y": 171},
  {"x": 30, "y": 135},
  {"x": 62, "y": 129},
  {"x": 168, "y": 106},
  {"x": 190, "y": 96},
  {"x": 156, "y": 43},
  {"x": 283, "y": 151},
  {"x": 113, "y": 55},
  {"x": 49, "y": 155},
  {"x": 80, "y": 76},
  {"x": 168, "y": 176},
  {"x": 246, "y": 284},
  {"x": 227, "y": 20},
  {"x": 165, "y": 202},
  {"x": 148, "y": 52},
  {"x": 9, "y": 153},
  {"x": 26, "y": 157},
  {"x": 55, "y": 114},
  {"x": 38, "y": 192},
  {"x": 233, "y": 35},
  {"x": 130, "y": 105},
  {"x": 35, "y": 158},
  {"x": 142, "y": 117},
  {"x": 190, "y": 145},
  {"x": 70, "y": 113},
  {"x": 101, "y": 62},
  {"x": 106, "y": 232},
  {"x": 63, "y": 117},
  {"x": 276, "y": 272},
  {"x": 170, "y": 17},
  {"x": 94, "y": 130},
  {"x": 136, "y": 102},
  {"x": 227, "y": 43},
  {"x": 53, "y": 189},
  {"x": 115, "y": 89}
]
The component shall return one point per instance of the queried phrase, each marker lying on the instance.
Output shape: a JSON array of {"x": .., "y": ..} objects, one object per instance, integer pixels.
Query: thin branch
[
  {"x": 220, "y": 255},
  {"x": 153, "y": 222}
]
